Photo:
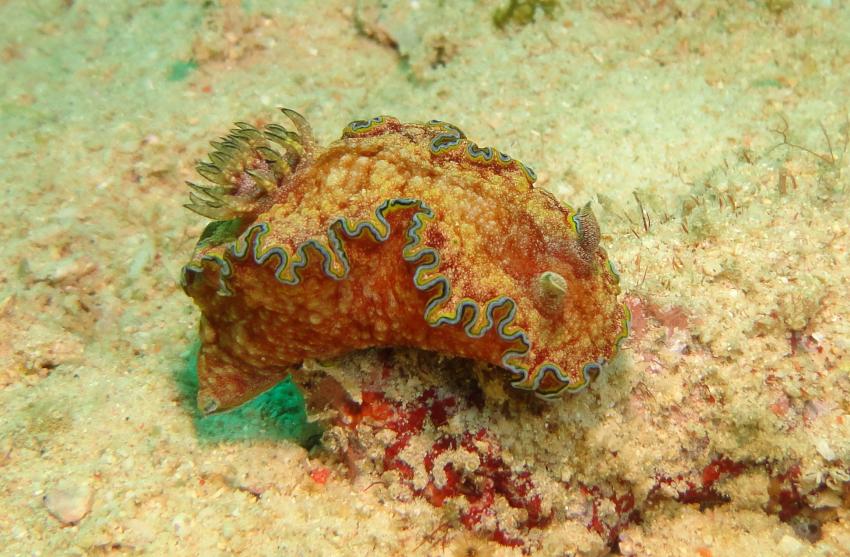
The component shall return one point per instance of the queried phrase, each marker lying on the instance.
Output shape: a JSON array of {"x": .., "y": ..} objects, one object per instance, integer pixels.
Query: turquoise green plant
[
  {"x": 277, "y": 414},
  {"x": 181, "y": 69}
]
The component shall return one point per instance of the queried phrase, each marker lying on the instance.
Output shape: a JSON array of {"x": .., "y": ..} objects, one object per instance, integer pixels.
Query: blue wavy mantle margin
[{"x": 336, "y": 266}]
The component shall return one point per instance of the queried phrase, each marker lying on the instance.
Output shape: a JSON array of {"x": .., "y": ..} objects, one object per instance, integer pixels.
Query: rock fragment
[{"x": 68, "y": 504}]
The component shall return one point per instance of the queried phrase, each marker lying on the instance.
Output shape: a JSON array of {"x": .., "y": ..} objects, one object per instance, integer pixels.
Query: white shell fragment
[{"x": 68, "y": 504}]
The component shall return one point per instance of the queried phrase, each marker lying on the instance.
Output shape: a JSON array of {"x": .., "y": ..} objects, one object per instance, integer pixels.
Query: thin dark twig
[
  {"x": 647, "y": 221},
  {"x": 830, "y": 159},
  {"x": 828, "y": 143}
]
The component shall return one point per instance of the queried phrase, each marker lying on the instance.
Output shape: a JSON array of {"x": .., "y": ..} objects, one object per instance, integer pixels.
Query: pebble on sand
[{"x": 69, "y": 504}]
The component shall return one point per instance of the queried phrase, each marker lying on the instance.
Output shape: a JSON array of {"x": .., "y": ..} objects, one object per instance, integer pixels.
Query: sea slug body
[{"x": 395, "y": 235}]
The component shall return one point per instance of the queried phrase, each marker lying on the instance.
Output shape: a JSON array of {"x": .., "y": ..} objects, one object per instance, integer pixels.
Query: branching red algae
[{"x": 395, "y": 235}]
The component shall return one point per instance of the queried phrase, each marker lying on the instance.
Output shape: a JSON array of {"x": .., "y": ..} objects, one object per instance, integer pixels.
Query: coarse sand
[{"x": 711, "y": 138}]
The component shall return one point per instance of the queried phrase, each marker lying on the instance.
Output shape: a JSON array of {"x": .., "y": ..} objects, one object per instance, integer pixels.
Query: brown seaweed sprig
[{"x": 247, "y": 165}]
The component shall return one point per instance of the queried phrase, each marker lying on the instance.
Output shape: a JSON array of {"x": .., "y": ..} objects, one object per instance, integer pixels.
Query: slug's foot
[{"x": 224, "y": 384}]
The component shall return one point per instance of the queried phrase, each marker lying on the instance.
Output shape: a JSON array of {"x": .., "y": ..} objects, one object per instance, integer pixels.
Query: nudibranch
[{"x": 395, "y": 235}]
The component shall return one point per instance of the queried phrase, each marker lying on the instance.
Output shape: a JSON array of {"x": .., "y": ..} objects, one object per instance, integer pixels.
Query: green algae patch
[
  {"x": 181, "y": 69},
  {"x": 219, "y": 232},
  {"x": 522, "y": 12},
  {"x": 775, "y": 83},
  {"x": 276, "y": 415}
]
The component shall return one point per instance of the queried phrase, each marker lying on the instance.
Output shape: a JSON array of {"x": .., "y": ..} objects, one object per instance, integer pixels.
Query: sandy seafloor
[{"x": 722, "y": 429}]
